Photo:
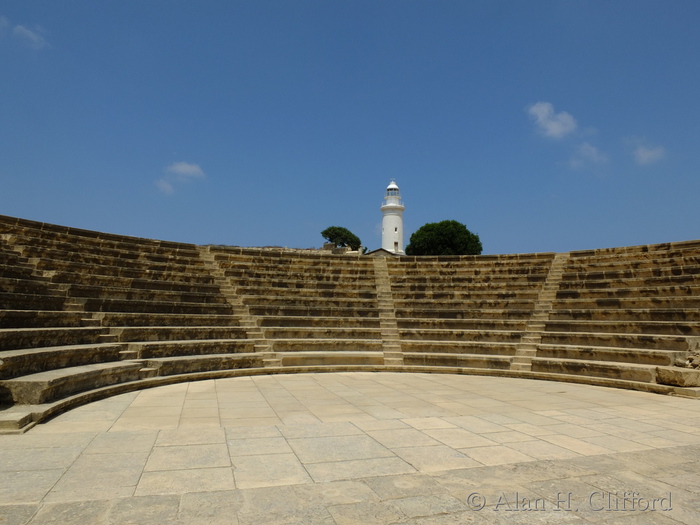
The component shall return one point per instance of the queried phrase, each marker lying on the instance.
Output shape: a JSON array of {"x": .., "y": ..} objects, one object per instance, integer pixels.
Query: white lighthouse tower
[{"x": 392, "y": 220}]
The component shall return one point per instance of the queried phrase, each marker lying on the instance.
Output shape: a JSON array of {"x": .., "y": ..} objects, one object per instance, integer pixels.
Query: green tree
[
  {"x": 341, "y": 237},
  {"x": 444, "y": 238}
]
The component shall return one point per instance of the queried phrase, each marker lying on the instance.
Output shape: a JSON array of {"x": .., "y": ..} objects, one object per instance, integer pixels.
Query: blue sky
[{"x": 541, "y": 125}]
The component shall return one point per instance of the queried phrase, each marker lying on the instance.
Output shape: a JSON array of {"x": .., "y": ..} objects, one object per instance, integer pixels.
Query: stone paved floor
[{"x": 360, "y": 448}]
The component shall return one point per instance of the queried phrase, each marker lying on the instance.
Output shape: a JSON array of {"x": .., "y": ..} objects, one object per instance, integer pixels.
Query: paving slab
[{"x": 352, "y": 447}]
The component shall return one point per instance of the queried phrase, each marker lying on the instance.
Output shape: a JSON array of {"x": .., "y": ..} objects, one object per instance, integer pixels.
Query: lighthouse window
[{"x": 396, "y": 229}]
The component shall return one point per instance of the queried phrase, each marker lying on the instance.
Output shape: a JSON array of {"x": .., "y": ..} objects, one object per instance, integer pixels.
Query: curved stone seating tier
[
  {"x": 75, "y": 272},
  {"x": 620, "y": 371},
  {"x": 79, "y": 281},
  {"x": 364, "y": 293},
  {"x": 156, "y": 307},
  {"x": 192, "y": 364},
  {"x": 189, "y": 347},
  {"x": 446, "y": 334},
  {"x": 315, "y": 345},
  {"x": 298, "y": 272},
  {"x": 670, "y": 282},
  {"x": 17, "y": 363},
  {"x": 320, "y": 287},
  {"x": 31, "y": 302},
  {"x": 645, "y": 356},
  {"x": 334, "y": 333},
  {"x": 171, "y": 333},
  {"x": 318, "y": 321},
  {"x": 15, "y": 338},
  {"x": 456, "y": 310},
  {"x": 634, "y": 275},
  {"x": 85, "y": 315},
  {"x": 136, "y": 294},
  {"x": 44, "y": 387},
  {"x": 686, "y": 328},
  {"x": 625, "y": 302},
  {"x": 631, "y": 314},
  {"x": 333, "y": 358},
  {"x": 488, "y": 362},
  {"x": 39, "y": 318},
  {"x": 118, "y": 319},
  {"x": 439, "y": 292},
  {"x": 302, "y": 300},
  {"x": 10, "y": 285},
  {"x": 90, "y": 255},
  {"x": 316, "y": 311},
  {"x": 649, "y": 341},
  {"x": 462, "y": 324}
]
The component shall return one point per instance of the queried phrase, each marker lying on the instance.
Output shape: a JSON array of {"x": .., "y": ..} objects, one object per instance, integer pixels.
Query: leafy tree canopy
[
  {"x": 341, "y": 237},
  {"x": 444, "y": 238}
]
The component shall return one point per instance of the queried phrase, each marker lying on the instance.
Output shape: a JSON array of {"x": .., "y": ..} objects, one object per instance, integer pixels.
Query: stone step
[
  {"x": 602, "y": 353},
  {"x": 19, "y": 362},
  {"x": 48, "y": 386},
  {"x": 18, "y": 338},
  {"x": 625, "y": 371},
  {"x": 167, "y": 366},
  {"x": 194, "y": 347},
  {"x": 16, "y": 420},
  {"x": 332, "y": 359},
  {"x": 457, "y": 360}
]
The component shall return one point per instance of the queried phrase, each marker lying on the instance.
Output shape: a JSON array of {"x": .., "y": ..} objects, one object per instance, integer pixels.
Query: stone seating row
[
  {"x": 579, "y": 344},
  {"x": 41, "y": 293},
  {"x": 130, "y": 255},
  {"x": 10, "y": 226},
  {"x": 456, "y": 315},
  {"x": 80, "y": 273},
  {"x": 267, "y": 311},
  {"x": 621, "y": 313},
  {"x": 312, "y": 312},
  {"x": 83, "y": 260},
  {"x": 120, "y": 333}
]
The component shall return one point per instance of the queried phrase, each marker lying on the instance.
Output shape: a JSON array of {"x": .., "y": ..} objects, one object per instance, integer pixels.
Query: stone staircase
[
  {"x": 527, "y": 349},
  {"x": 249, "y": 322},
  {"x": 391, "y": 342}
]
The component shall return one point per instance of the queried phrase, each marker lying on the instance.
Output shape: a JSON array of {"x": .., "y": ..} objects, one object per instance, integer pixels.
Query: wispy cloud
[
  {"x": 549, "y": 123},
  {"x": 185, "y": 170},
  {"x": 178, "y": 172},
  {"x": 644, "y": 155},
  {"x": 31, "y": 38},
  {"x": 587, "y": 154}
]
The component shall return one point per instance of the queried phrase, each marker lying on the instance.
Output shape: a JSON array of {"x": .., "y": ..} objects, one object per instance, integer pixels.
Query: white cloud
[
  {"x": 164, "y": 186},
  {"x": 586, "y": 154},
  {"x": 185, "y": 170},
  {"x": 549, "y": 123},
  {"x": 644, "y": 155},
  {"x": 32, "y": 39},
  {"x": 178, "y": 172}
]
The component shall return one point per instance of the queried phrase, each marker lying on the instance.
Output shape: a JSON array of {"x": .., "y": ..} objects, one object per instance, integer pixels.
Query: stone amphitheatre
[{"x": 89, "y": 318}]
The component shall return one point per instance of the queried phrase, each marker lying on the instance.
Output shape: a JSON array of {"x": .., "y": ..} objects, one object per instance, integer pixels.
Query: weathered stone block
[{"x": 677, "y": 376}]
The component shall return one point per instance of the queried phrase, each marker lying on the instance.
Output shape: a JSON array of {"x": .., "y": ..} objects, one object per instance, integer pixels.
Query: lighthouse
[{"x": 392, "y": 220}]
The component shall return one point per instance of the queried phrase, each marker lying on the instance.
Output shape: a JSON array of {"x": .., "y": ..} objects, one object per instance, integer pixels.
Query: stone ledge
[{"x": 676, "y": 376}]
